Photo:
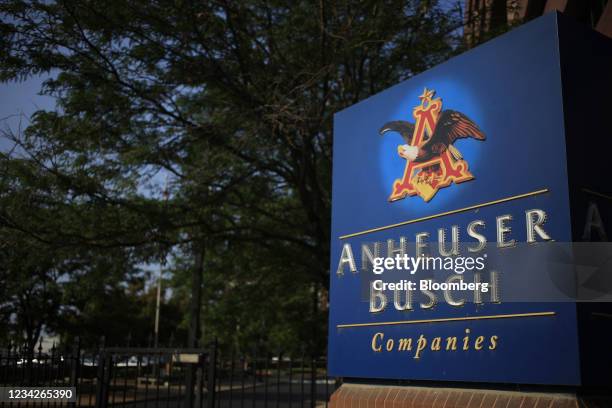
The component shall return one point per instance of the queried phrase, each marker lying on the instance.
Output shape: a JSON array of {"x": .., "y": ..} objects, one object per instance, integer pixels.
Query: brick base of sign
[{"x": 381, "y": 396}]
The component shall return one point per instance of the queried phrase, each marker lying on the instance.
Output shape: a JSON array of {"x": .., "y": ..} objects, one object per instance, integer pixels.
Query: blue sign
[{"x": 471, "y": 150}]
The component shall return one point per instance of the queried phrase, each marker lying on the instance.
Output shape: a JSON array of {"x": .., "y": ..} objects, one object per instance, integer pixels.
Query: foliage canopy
[{"x": 233, "y": 102}]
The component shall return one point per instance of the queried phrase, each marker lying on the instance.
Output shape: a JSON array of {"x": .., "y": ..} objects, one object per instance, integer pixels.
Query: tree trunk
[{"x": 196, "y": 297}]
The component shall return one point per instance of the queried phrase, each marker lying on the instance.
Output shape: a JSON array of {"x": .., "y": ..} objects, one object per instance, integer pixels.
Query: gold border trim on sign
[
  {"x": 595, "y": 193},
  {"x": 443, "y": 214},
  {"x": 448, "y": 319}
]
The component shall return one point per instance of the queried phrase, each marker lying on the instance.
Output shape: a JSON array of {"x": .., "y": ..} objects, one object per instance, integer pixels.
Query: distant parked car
[{"x": 89, "y": 362}]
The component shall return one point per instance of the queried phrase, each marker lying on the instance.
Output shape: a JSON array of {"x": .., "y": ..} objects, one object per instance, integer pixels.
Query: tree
[
  {"x": 234, "y": 100},
  {"x": 31, "y": 294},
  {"x": 48, "y": 286}
]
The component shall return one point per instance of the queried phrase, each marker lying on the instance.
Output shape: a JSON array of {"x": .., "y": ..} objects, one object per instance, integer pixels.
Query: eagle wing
[
  {"x": 453, "y": 125},
  {"x": 404, "y": 128}
]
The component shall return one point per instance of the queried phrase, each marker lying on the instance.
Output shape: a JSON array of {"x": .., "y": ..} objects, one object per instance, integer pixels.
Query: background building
[{"x": 485, "y": 18}]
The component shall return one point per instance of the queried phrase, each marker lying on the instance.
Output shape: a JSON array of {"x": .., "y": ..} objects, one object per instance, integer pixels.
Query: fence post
[
  {"x": 37, "y": 375},
  {"x": 212, "y": 375},
  {"x": 189, "y": 386},
  {"x": 74, "y": 368},
  {"x": 108, "y": 367},
  {"x": 200, "y": 380},
  {"x": 313, "y": 382},
  {"x": 29, "y": 353},
  {"x": 100, "y": 375}
]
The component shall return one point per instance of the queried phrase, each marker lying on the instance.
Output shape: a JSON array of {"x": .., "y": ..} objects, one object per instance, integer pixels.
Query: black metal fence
[{"x": 172, "y": 377}]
